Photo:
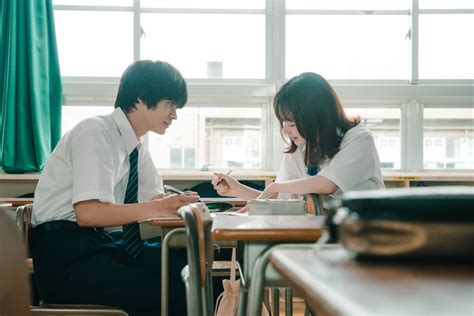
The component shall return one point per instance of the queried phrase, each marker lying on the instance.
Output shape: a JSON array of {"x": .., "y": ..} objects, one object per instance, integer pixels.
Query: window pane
[
  {"x": 348, "y": 4},
  {"x": 226, "y": 137},
  {"x": 88, "y": 46},
  {"x": 111, "y": 3},
  {"x": 385, "y": 127},
  {"x": 73, "y": 114},
  {"x": 443, "y": 4},
  {"x": 348, "y": 47},
  {"x": 176, "y": 157},
  {"x": 448, "y": 141},
  {"x": 446, "y": 46},
  {"x": 189, "y": 158},
  {"x": 204, "y": 4},
  {"x": 207, "y": 45}
]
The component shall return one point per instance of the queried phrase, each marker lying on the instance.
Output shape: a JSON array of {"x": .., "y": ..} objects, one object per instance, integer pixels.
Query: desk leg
[
  {"x": 243, "y": 297},
  {"x": 258, "y": 278},
  {"x": 164, "y": 269},
  {"x": 288, "y": 301}
]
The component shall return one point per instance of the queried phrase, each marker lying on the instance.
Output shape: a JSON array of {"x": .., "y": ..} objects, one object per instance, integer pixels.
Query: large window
[
  {"x": 200, "y": 49},
  {"x": 384, "y": 58},
  {"x": 446, "y": 48},
  {"x": 385, "y": 127},
  {"x": 88, "y": 47},
  {"x": 448, "y": 140},
  {"x": 224, "y": 137},
  {"x": 355, "y": 45}
]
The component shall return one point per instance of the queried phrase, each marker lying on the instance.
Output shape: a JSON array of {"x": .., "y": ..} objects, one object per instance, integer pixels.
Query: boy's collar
[{"x": 126, "y": 130}]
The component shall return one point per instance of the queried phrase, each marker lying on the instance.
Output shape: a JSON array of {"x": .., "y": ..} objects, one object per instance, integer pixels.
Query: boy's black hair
[{"x": 150, "y": 81}]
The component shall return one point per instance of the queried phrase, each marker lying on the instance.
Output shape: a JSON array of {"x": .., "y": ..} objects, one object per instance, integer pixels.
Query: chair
[
  {"x": 197, "y": 274},
  {"x": 14, "y": 294},
  {"x": 314, "y": 204},
  {"x": 76, "y": 312},
  {"x": 23, "y": 223}
]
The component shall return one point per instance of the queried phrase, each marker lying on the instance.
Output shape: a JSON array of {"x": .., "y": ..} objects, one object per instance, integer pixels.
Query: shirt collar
[{"x": 126, "y": 131}]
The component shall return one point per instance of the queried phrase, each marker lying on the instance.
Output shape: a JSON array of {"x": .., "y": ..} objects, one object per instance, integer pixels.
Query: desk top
[
  {"x": 168, "y": 221},
  {"x": 333, "y": 283},
  {"x": 16, "y": 201},
  {"x": 268, "y": 228}
]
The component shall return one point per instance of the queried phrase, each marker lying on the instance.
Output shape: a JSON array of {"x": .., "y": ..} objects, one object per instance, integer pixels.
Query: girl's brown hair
[{"x": 311, "y": 102}]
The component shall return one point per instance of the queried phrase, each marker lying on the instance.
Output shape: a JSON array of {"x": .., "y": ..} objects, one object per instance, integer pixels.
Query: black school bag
[{"x": 428, "y": 221}]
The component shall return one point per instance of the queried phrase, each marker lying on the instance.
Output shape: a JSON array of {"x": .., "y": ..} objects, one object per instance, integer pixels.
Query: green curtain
[{"x": 31, "y": 90}]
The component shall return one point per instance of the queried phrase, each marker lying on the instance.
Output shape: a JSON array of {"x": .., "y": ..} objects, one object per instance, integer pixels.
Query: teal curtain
[{"x": 31, "y": 90}]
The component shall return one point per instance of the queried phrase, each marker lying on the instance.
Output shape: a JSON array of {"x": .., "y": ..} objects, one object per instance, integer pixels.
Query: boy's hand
[{"x": 169, "y": 205}]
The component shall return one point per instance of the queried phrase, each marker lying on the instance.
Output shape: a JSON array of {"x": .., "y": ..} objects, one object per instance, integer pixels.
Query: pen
[
  {"x": 227, "y": 173},
  {"x": 169, "y": 188}
]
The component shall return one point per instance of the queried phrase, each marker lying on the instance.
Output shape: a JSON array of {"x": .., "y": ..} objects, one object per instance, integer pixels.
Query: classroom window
[
  {"x": 347, "y": 4},
  {"x": 182, "y": 158},
  {"x": 348, "y": 46},
  {"x": 385, "y": 127},
  {"x": 240, "y": 51},
  {"x": 446, "y": 46},
  {"x": 443, "y": 4},
  {"x": 448, "y": 141},
  {"x": 88, "y": 46},
  {"x": 207, "y": 45},
  {"x": 204, "y": 4},
  {"x": 95, "y": 2},
  {"x": 225, "y": 137},
  {"x": 73, "y": 114}
]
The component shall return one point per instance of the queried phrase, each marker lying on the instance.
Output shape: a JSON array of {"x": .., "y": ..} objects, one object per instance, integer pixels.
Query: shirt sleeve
[
  {"x": 291, "y": 168},
  {"x": 353, "y": 164},
  {"x": 151, "y": 183},
  {"x": 93, "y": 172}
]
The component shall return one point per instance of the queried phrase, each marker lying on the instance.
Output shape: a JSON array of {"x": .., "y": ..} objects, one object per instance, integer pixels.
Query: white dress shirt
[
  {"x": 355, "y": 167},
  {"x": 90, "y": 162}
]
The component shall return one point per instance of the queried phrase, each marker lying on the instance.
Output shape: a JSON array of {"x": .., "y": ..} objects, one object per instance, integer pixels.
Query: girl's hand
[
  {"x": 269, "y": 192},
  {"x": 225, "y": 185},
  {"x": 244, "y": 209}
]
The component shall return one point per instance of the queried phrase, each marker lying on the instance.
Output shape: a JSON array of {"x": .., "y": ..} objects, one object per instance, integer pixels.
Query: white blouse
[{"x": 355, "y": 167}]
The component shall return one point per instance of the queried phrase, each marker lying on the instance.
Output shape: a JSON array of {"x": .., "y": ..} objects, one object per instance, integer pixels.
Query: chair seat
[
  {"x": 76, "y": 312},
  {"x": 75, "y": 306}
]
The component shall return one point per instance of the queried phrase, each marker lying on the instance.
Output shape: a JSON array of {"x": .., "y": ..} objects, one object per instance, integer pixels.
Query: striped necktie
[{"x": 132, "y": 241}]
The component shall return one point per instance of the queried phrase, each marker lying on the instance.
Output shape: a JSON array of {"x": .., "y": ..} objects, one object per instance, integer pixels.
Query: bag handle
[{"x": 233, "y": 265}]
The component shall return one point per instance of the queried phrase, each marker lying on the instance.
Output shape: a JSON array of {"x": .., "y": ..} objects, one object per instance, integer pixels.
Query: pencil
[{"x": 227, "y": 173}]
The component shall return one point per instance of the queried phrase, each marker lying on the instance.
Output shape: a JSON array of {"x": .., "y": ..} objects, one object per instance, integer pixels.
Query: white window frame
[{"x": 408, "y": 95}]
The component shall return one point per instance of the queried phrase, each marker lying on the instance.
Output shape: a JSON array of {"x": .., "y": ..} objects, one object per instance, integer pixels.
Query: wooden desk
[
  {"x": 267, "y": 228},
  {"x": 166, "y": 222},
  {"x": 259, "y": 234},
  {"x": 332, "y": 283},
  {"x": 15, "y": 202}
]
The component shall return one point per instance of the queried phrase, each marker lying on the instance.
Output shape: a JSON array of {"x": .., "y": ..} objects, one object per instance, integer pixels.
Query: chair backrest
[
  {"x": 77, "y": 312},
  {"x": 14, "y": 294},
  {"x": 23, "y": 219},
  {"x": 200, "y": 258},
  {"x": 314, "y": 204}
]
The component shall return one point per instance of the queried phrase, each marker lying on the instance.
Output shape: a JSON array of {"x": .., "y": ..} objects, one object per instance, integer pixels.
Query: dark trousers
[{"x": 86, "y": 266}]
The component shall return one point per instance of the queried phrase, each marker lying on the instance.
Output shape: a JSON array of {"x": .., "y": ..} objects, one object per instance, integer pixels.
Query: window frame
[{"x": 408, "y": 95}]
